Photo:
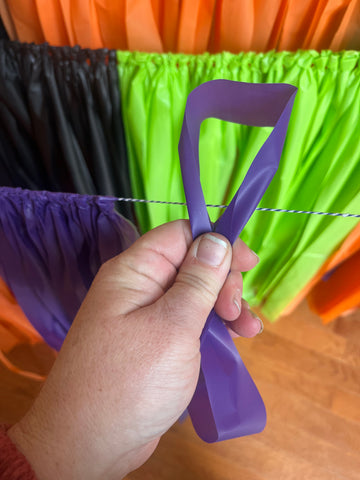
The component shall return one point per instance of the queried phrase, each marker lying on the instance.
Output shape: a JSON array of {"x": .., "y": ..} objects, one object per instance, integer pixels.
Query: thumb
[{"x": 199, "y": 281}]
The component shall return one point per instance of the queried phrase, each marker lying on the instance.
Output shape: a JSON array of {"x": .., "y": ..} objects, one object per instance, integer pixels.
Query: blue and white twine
[{"x": 259, "y": 209}]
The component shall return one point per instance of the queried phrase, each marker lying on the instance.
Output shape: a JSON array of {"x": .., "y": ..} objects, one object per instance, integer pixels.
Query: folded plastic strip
[
  {"x": 226, "y": 403},
  {"x": 52, "y": 245}
]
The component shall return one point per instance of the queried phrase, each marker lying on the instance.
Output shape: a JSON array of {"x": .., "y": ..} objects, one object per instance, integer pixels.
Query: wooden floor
[{"x": 309, "y": 377}]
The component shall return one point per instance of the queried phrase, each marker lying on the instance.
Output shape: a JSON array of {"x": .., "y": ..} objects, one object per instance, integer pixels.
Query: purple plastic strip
[{"x": 226, "y": 403}]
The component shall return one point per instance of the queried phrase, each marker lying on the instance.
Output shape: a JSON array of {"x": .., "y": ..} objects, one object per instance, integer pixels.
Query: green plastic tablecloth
[{"x": 319, "y": 169}]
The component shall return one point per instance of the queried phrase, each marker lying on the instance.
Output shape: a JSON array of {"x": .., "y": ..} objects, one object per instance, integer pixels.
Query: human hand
[{"x": 130, "y": 362}]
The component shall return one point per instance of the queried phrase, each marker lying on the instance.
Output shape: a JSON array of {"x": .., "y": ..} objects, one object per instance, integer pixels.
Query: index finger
[{"x": 244, "y": 258}]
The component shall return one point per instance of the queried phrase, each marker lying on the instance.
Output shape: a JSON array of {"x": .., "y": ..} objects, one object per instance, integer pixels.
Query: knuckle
[
  {"x": 203, "y": 288},
  {"x": 108, "y": 267},
  {"x": 104, "y": 269}
]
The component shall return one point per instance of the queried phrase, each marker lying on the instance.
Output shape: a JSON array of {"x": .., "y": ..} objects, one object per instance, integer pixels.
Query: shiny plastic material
[
  {"x": 52, "y": 245},
  {"x": 16, "y": 333},
  {"x": 337, "y": 285},
  {"x": 60, "y": 121},
  {"x": 320, "y": 167},
  {"x": 189, "y": 26},
  {"x": 226, "y": 403}
]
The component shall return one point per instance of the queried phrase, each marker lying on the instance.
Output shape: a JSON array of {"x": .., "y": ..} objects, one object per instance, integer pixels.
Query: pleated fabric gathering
[
  {"x": 60, "y": 121},
  {"x": 52, "y": 245},
  {"x": 62, "y": 115},
  {"x": 187, "y": 26},
  {"x": 319, "y": 170}
]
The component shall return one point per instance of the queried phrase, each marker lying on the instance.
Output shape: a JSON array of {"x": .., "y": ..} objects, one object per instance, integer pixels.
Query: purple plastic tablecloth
[{"x": 51, "y": 246}]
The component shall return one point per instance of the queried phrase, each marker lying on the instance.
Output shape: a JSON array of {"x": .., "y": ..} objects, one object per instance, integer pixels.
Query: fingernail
[
  {"x": 261, "y": 325},
  {"x": 237, "y": 305},
  {"x": 255, "y": 255},
  {"x": 237, "y": 300},
  {"x": 253, "y": 314},
  {"x": 211, "y": 250}
]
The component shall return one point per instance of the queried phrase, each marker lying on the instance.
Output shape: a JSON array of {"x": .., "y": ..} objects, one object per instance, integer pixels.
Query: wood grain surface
[{"x": 309, "y": 377}]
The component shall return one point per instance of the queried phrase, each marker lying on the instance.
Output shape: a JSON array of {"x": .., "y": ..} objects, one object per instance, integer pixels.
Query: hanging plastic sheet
[
  {"x": 188, "y": 26},
  {"x": 338, "y": 292},
  {"x": 195, "y": 22},
  {"x": 350, "y": 246},
  {"x": 52, "y": 245},
  {"x": 348, "y": 33},
  {"x": 60, "y": 121},
  {"x": 25, "y": 359},
  {"x": 320, "y": 169},
  {"x": 111, "y": 17},
  {"x": 52, "y": 22},
  {"x": 16, "y": 332},
  {"x": 326, "y": 22},
  {"x": 7, "y": 29},
  {"x": 226, "y": 403},
  {"x": 233, "y": 26},
  {"x": 26, "y": 21},
  {"x": 336, "y": 288}
]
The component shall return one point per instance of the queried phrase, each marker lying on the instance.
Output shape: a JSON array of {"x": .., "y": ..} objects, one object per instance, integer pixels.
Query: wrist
[
  {"x": 26, "y": 439},
  {"x": 49, "y": 459},
  {"x": 13, "y": 464}
]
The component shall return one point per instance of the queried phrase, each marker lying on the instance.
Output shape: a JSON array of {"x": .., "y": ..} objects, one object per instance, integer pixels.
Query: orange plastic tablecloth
[
  {"x": 187, "y": 26},
  {"x": 322, "y": 303},
  {"x": 26, "y": 20},
  {"x": 7, "y": 20},
  {"x": 339, "y": 292},
  {"x": 16, "y": 332}
]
